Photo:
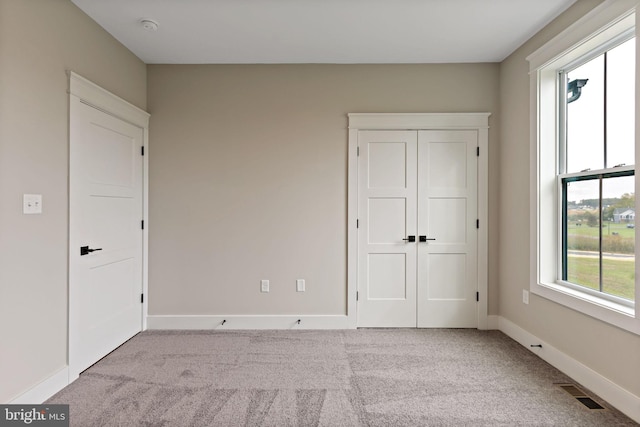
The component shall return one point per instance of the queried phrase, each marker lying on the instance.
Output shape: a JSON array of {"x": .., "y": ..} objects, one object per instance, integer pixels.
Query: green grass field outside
[
  {"x": 618, "y": 276},
  {"x": 607, "y": 230},
  {"x": 616, "y": 238}
]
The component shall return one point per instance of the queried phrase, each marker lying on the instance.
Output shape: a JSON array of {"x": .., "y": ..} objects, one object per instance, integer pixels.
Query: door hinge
[
  {"x": 478, "y": 151},
  {"x": 142, "y": 224},
  {"x": 357, "y": 151},
  {"x": 357, "y": 223},
  {"x": 142, "y": 150},
  {"x": 357, "y": 295},
  {"x": 477, "y": 296},
  {"x": 141, "y": 298},
  {"x": 477, "y": 223}
]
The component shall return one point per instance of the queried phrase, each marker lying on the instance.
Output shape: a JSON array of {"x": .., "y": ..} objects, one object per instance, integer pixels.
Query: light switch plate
[
  {"x": 264, "y": 286},
  {"x": 300, "y": 285},
  {"x": 32, "y": 204}
]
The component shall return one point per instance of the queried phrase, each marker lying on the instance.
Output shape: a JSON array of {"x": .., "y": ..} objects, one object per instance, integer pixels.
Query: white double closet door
[{"x": 417, "y": 233}]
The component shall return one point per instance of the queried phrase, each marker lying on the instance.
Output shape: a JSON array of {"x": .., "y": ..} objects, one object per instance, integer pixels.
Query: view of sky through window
[
  {"x": 599, "y": 215},
  {"x": 586, "y": 116}
]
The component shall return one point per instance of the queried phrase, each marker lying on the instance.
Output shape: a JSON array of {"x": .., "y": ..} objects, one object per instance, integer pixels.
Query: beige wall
[
  {"x": 248, "y": 176},
  {"x": 248, "y": 181},
  {"x": 39, "y": 40},
  {"x": 609, "y": 351}
]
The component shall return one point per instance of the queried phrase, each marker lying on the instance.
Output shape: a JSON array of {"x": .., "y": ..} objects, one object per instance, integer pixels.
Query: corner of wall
[{"x": 625, "y": 401}]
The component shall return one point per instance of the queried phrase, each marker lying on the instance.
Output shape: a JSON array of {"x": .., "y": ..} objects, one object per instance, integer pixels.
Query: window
[
  {"x": 597, "y": 188},
  {"x": 583, "y": 154}
]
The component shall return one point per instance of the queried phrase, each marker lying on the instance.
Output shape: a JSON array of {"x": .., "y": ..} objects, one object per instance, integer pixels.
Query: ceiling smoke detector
[{"x": 149, "y": 24}]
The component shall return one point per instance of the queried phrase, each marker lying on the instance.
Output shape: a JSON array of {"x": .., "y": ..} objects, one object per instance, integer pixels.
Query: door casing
[
  {"x": 97, "y": 97},
  {"x": 418, "y": 121}
]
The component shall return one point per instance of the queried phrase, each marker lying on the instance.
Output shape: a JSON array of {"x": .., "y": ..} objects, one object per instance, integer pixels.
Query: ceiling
[{"x": 323, "y": 31}]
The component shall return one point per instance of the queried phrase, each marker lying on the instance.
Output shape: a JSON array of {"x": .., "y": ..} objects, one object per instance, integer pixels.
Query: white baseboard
[
  {"x": 493, "y": 322},
  {"x": 625, "y": 401},
  {"x": 247, "y": 322},
  {"x": 44, "y": 390}
]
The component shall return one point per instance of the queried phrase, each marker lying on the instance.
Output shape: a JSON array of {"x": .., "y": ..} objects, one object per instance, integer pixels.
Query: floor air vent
[{"x": 580, "y": 396}]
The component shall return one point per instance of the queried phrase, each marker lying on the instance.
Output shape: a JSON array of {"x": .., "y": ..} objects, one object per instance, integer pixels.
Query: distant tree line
[{"x": 626, "y": 201}]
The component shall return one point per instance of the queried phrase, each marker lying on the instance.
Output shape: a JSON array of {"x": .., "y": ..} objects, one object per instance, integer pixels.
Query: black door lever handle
[
  {"x": 84, "y": 250},
  {"x": 410, "y": 239},
  {"x": 424, "y": 238}
]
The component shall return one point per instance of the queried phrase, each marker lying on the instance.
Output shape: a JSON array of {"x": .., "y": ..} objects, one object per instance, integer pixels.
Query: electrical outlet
[
  {"x": 300, "y": 287},
  {"x": 32, "y": 203},
  {"x": 525, "y": 296},
  {"x": 264, "y": 286}
]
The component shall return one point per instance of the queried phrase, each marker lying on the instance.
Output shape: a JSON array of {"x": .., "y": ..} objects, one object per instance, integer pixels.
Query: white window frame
[{"x": 602, "y": 24}]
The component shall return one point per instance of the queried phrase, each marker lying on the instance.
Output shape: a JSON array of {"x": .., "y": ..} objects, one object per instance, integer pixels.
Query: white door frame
[
  {"x": 97, "y": 97},
  {"x": 418, "y": 121}
]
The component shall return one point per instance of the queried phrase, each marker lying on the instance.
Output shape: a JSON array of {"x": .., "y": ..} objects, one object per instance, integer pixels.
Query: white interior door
[
  {"x": 447, "y": 214},
  {"x": 387, "y": 185},
  {"x": 421, "y": 184},
  {"x": 105, "y": 213}
]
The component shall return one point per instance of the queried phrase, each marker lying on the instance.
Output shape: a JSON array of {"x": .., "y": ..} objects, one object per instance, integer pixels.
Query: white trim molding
[
  {"x": 234, "y": 322},
  {"x": 604, "y": 23},
  {"x": 86, "y": 92},
  {"x": 591, "y": 26},
  {"x": 623, "y": 400},
  {"x": 104, "y": 100},
  {"x": 493, "y": 322},
  {"x": 45, "y": 389},
  {"x": 418, "y": 121}
]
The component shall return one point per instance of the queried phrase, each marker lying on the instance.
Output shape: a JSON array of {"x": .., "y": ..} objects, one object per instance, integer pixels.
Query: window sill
[{"x": 619, "y": 315}]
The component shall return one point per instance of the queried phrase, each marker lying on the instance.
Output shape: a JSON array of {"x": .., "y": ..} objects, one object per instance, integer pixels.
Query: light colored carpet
[{"x": 374, "y": 377}]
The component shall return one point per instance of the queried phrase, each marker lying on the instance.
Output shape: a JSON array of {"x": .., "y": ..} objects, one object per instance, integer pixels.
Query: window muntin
[
  {"x": 604, "y": 26},
  {"x": 585, "y": 119},
  {"x": 599, "y": 234},
  {"x": 618, "y": 247},
  {"x": 599, "y": 126},
  {"x": 597, "y": 149}
]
